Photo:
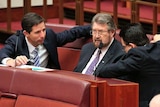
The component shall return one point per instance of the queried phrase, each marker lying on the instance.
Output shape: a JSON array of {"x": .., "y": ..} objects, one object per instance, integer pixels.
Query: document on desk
[
  {"x": 34, "y": 68},
  {"x": 2, "y": 65}
]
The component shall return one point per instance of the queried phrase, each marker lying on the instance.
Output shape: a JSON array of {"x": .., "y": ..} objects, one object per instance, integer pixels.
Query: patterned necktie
[
  {"x": 92, "y": 66},
  {"x": 36, "y": 57}
]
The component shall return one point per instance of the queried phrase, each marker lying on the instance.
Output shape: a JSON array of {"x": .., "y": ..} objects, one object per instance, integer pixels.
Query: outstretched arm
[{"x": 156, "y": 38}]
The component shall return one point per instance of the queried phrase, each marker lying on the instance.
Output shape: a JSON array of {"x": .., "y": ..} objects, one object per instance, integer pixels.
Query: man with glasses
[{"x": 105, "y": 49}]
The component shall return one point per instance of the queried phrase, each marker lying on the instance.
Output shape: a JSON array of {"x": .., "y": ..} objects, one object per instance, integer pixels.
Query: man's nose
[{"x": 42, "y": 34}]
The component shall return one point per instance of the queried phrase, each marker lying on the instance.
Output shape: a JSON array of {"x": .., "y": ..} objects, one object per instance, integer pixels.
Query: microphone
[
  {"x": 100, "y": 45},
  {"x": 30, "y": 62},
  {"x": 16, "y": 46},
  {"x": 17, "y": 33}
]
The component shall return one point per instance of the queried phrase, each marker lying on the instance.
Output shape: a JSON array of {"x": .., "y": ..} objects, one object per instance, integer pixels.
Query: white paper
[{"x": 34, "y": 68}]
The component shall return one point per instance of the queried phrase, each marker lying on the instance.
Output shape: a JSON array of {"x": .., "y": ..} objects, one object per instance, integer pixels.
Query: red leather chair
[{"x": 26, "y": 88}]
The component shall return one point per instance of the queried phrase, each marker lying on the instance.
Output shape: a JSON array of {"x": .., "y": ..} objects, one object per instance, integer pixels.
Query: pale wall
[{"x": 19, "y": 3}]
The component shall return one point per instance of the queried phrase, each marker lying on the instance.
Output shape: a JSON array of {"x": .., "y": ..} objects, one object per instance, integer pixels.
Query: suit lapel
[
  {"x": 106, "y": 59},
  {"x": 22, "y": 46},
  {"x": 108, "y": 56},
  {"x": 87, "y": 57}
]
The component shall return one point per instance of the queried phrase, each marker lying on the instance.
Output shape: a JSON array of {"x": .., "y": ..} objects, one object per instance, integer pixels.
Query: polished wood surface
[{"x": 110, "y": 92}]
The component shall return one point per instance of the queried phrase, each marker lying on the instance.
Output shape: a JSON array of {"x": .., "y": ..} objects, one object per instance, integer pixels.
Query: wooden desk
[{"x": 110, "y": 92}]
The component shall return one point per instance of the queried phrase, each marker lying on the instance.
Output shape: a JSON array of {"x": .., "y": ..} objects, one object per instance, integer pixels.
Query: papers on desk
[
  {"x": 34, "y": 68},
  {"x": 2, "y": 65},
  {"x": 30, "y": 67}
]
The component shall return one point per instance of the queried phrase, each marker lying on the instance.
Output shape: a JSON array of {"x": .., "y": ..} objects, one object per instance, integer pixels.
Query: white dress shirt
[
  {"x": 103, "y": 52},
  {"x": 42, "y": 52}
]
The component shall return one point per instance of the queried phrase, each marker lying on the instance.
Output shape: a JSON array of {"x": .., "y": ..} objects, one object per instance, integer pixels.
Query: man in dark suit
[
  {"x": 19, "y": 48},
  {"x": 103, "y": 32},
  {"x": 141, "y": 63}
]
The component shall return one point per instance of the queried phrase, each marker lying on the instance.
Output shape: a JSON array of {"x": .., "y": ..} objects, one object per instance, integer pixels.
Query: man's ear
[
  {"x": 25, "y": 33},
  {"x": 132, "y": 45},
  {"x": 113, "y": 32}
]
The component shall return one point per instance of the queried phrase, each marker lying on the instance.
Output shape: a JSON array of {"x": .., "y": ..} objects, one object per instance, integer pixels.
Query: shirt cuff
[{"x": 4, "y": 61}]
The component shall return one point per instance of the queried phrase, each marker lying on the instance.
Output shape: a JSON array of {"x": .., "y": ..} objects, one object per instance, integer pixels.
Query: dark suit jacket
[
  {"x": 52, "y": 41},
  {"x": 142, "y": 64},
  {"x": 114, "y": 53}
]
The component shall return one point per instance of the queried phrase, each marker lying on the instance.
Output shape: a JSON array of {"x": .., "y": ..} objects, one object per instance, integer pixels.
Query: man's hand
[
  {"x": 156, "y": 38},
  {"x": 155, "y": 101},
  {"x": 19, "y": 60}
]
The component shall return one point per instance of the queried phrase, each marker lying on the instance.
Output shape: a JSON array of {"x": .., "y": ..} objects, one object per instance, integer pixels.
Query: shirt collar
[{"x": 30, "y": 46}]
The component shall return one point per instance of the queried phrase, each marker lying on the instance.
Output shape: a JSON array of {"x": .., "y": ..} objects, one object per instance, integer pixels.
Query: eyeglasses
[{"x": 99, "y": 32}]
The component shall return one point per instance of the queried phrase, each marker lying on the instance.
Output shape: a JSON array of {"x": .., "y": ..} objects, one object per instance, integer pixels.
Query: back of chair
[
  {"x": 68, "y": 58},
  {"x": 7, "y": 99},
  {"x": 48, "y": 89},
  {"x": 26, "y": 88}
]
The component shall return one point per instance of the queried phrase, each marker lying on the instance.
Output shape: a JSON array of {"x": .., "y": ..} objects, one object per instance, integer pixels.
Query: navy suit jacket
[
  {"x": 51, "y": 42},
  {"x": 114, "y": 53},
  {"x": 142, "y": 64}
]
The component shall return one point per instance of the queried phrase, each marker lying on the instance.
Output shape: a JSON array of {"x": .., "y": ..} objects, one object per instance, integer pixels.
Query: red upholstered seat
[
  {"x": 6, "y": 79},
  {"x": 1, "y": 45},
  {"x": 34, "y": 89},
  {"x": 6, "y": 99},
  {"x": 32, "y": 101},
  {"x": 68, "y": 58},
  {"x": 7, "y": 102}
]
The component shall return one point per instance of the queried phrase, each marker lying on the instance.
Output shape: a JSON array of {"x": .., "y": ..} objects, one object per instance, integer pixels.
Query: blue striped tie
[{"x": 36, "y": 57}]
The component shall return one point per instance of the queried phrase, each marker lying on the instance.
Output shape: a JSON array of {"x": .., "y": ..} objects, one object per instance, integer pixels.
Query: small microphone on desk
[
  {"x": 100, "y": 45},
  {"x": 16, "y": 45},
  {"x": 30, "y": 62},
  {"x": 17, "y": 34}
]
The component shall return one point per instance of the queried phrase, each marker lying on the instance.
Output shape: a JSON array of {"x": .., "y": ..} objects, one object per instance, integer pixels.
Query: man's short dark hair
[
  {"x": 29, "y": 20},
  {"x": 134, "y": 33}
]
